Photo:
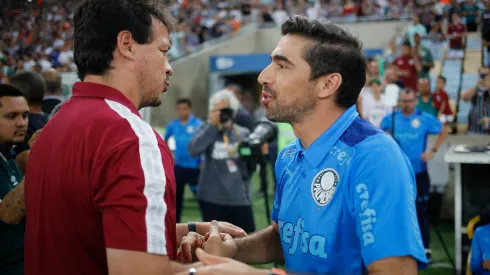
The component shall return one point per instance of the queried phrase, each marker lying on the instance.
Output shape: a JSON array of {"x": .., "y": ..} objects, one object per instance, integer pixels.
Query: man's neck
[
  {"x": 314, "y": 125},
  {"x": 184, "y": 120},
  {"x": 377, "y": 97},
  {"x": 118, "y": 81},
  {"x": 425, "y": 98},
  {"x": 35, "y": 110},
  {"x": 52, "y": 95},
  {"x": 407, "y": 114}
]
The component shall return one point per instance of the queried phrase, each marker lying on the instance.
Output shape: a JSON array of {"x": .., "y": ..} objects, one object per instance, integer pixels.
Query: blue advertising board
[{"x": 242, "y": 63}]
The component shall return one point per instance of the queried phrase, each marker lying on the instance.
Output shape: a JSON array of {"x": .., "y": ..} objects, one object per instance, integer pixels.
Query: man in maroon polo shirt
[{"x": 100, "y": 188}]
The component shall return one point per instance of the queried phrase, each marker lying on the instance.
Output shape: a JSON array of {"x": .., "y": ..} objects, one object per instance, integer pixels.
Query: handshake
[
  {"x": 214, "y": 242},
  {"x": 215, "y": 252}
]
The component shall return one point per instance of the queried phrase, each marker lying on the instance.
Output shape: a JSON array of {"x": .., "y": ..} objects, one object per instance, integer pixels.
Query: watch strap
[{"x": 192, "y": 226}]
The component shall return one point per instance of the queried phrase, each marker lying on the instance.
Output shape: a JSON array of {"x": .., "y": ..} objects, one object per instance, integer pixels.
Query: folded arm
[{"x": 12, "y": 207}]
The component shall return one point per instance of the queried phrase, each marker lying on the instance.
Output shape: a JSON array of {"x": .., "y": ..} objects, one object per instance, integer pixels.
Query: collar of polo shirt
[{"x": 315, "y": 154}]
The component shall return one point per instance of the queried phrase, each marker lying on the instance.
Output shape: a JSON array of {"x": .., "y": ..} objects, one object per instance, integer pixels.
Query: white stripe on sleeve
[{"x": 155, "y": 180}]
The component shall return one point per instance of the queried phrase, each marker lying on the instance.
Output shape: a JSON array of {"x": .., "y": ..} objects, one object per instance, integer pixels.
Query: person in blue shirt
[
  {"x": 410, "y": 128},
  {"x": 186, "y": 167},
  {"x": 480, "y": 251},
  {"x": 345, "y": 196}
]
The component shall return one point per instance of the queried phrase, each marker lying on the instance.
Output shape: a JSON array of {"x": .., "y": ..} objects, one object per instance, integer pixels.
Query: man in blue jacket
[{"x": 186, "y": 167}]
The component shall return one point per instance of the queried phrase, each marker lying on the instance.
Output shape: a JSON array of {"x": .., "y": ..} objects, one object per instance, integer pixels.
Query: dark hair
[
  {"x": 407, "y": 44},
  {"x": 442, "y": 78},
  {"x": 31, "y": 84},
  {"x": 8, "y": 90},
  {"x": 98, "y": 22},
  {"x": 184, "y": 101},
  {"x": 408, "y": 91},
  {"x": 334, "y": 50},
  {"x": 52, "y": 80}
]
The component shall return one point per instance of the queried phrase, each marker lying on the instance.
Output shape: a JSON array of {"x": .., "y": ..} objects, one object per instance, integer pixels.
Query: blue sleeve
[
  {"x": 476, "y": 254},
  {"x": 433, "y": 125},
  {"x": 278, "y": 171},
  {"x": 168, "y": 131},
  {"x": 383, "y": 203},
  {"x": 386, "y": 122}
]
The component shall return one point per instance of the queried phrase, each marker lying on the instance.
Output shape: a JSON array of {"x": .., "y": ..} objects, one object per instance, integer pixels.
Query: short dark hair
[
  {"x": 184, "y": 101},
  {"x": 407, "y": 44},
  {"x": 334, "y": 50},
  {"x": 442, "y": 78},
  {"x": 52, "y": 80},
  {"x": 408, "y": 91},
  {"x": 98, "y": 22},
  {"x": 31, "y": 84},
  {"x": 9, "y": 90}
]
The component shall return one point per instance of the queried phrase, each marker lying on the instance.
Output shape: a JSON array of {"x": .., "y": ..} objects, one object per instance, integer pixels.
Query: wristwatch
[
  {"x": 192, "y": 226},
  {"x": 434, "y": 149},
  {"x": 192, "y": 271}
]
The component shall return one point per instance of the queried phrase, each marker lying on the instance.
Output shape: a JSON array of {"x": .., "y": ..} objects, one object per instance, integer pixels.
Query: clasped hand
[{"x": 214, "y": 242}]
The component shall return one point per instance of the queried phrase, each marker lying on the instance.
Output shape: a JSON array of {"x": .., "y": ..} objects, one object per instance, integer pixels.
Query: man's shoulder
[
  {"x": 360, "y": 132},
  {"x": 482, "y": 230}
]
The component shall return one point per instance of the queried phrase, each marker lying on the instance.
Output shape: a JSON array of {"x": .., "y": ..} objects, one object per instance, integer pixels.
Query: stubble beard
[{"x": 289, "y": 114}]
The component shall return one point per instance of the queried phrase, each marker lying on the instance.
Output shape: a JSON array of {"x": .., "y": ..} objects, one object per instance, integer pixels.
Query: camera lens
[{"x": 226, "y": 114}]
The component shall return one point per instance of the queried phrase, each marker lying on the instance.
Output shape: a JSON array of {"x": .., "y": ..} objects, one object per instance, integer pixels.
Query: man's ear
[
  {"x": 125, "y": 44},
  {"x": 329, "y": 84}
]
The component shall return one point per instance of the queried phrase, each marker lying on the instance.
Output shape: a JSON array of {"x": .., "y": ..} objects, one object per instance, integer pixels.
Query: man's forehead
[
  {"x": 290, "y": 46},
  {"x": 160, "y": 32}
]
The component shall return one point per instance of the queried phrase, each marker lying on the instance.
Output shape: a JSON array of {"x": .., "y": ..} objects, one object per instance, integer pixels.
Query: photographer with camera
[
  {"x": 479, "y": 96},
  {"x": 223, "y": 184}
]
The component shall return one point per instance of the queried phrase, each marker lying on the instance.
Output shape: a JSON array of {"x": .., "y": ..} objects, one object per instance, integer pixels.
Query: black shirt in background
[{"x": 49, "y": 103}]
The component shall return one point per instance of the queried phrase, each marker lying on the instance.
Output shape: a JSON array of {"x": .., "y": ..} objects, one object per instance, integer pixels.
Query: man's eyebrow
[{"x": 278, "y": 57}]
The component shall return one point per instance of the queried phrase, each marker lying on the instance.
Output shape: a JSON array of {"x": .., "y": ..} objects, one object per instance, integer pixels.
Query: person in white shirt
[
  {"x": 374, "y": 108},
  {"x": 65, "y": 55}
]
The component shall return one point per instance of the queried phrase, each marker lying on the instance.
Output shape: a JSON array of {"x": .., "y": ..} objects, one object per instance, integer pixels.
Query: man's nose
[
  {"x": 264, "y": 77},
  {"x": 168, "y": 69}
]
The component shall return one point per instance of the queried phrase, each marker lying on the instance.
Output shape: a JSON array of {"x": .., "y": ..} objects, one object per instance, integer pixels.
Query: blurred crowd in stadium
[{"x": 39, "y": 39}]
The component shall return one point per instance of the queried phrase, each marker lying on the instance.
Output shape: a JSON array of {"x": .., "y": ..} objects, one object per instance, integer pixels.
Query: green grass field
[{"x": 191, "y": 213}]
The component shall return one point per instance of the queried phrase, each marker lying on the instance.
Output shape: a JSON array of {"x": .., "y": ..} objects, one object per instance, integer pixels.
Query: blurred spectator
[
  {"x": 451, "y": 9},
  {"x": 441, "y": 101},
  {"x": 32, "y": 86},
  {"x": 479, "y": 96},
  {"x": 52, "y": 98},
  {"x": 480, "y": 251},
  {"x": 223, "y": 192},
  {"x": 424, "y": 12},
  {"x": 425, "y": 101},
  {"x": 410, "y": 128},
  {"x": 485, "y": 25},
  {"x": 374, "y": 107},
  {"x": 472, "y": 12},
  {"x": 456, "y": 32},
  {"x": 392, "y": 88},
  {"x": 243, "y": 116},
  {"x": 437, "y": 39},
  {"x": 415, "y": 27},
  {"x": 392, "y": 53},
  {"x": 408, "y": 65},
  {"x": 425, "y": 55},
  {"x": 186, "y": 168}
]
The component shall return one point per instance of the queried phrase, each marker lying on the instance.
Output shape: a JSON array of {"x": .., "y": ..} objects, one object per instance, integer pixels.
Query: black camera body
[
  {"x": 250, "y": 147},
  {"x": 225, "y": 115}
]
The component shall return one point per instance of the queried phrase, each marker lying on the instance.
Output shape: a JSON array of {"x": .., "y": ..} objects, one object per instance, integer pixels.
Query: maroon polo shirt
[{"x": 98, "y": 177}]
